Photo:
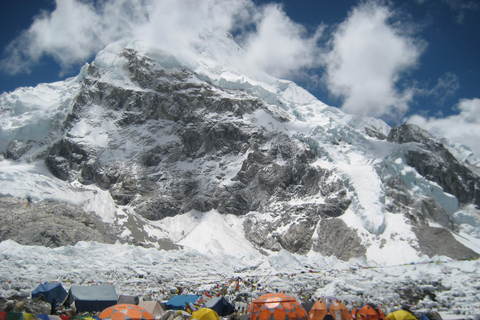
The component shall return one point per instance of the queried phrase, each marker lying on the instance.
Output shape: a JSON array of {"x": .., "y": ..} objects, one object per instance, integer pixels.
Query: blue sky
[{"x": 398, "y": 60}]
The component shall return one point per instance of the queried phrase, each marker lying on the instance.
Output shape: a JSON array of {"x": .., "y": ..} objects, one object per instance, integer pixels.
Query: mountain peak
[{"x": 148, "y": 139}]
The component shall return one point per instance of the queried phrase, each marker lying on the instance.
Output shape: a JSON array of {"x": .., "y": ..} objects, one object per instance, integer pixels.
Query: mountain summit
[{"x": 196, "y": 150}]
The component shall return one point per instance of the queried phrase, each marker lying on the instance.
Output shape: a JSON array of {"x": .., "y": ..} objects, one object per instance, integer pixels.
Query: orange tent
[
  {"x": 328, "y": 308},
  {"x": 125, "y": 312},
  {"x": 276, "y": 306},
  {"x": 368, "y": 312}
]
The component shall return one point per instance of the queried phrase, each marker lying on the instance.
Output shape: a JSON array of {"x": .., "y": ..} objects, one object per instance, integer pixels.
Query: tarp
[
  {"x": 221, "y": 306},
  {"x": 153, "y": 307},
  {"x": 52, "y": 292},
  {"x": 179, "y": 302},
  {"x": 92, "y": 298}
]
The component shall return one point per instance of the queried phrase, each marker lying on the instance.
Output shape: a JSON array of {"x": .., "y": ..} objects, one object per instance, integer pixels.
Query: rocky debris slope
[{"x": 50, "y": 224}]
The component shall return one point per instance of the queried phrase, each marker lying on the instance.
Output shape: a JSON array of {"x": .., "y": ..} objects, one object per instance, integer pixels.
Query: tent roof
[
  {"x": 47, "y": 286},
  {"x": 179, "y": 301},
  {"x": 153, "y": 307},
  {"x": 219, "y": 305},
  {"x": 99, "y": 292}
]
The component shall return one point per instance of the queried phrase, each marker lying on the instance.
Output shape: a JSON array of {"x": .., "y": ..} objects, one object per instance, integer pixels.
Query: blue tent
[
  {"x": 433, "y": 315},
  {"x": 51, "y": 292},
  {"x": 220, "y": 305},
  {"x": 179, "y": 302}
]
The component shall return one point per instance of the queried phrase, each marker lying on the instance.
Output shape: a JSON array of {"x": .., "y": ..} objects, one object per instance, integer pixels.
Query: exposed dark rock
[
  {"x": 16, "y": 149},
  {"x": 335, "y": 238}
]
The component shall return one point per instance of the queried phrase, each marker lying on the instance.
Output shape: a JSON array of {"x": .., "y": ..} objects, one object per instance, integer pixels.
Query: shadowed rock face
[{"x": 172, "y": 143}]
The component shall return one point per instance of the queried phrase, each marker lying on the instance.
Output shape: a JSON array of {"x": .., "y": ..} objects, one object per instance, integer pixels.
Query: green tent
[{"x": 91, "y": 298}]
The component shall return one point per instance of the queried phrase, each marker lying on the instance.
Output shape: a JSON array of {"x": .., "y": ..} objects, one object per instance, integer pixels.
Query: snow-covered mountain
[
  {"x": 145, "y": 140},
  {"x": 198, "y": 151}
]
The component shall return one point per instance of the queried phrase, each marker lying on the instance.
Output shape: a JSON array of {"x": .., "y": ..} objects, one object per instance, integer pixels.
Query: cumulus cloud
[
  {"x": 368, "y": 57},
  {"x": 78, "y": 29},
  {"x": 463, "y": 127},
  {"x": 72, "y": 33},
  {"x": 281, "y": 46}
]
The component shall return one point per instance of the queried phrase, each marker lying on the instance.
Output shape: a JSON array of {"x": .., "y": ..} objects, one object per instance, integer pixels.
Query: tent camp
[
  {"x": 91, "y": 298},
  {"x": 153, "y": 307},
  {"x": 220, "y": 305},
  {"x": 52, "y": 292},
  {"x": 179, "y": 302}
]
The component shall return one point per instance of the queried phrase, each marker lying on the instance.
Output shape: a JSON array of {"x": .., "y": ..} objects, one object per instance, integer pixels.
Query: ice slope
[{"x": 339, "y": 138}]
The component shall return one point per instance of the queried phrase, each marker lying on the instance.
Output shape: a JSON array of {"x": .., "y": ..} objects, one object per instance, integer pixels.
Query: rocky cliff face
[{"x": 164, "y": 141}]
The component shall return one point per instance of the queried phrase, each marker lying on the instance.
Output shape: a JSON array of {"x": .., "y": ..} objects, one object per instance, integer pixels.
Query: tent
[
  {"x": 308, "y": 305},
  {"x": 368, "y": 311},
  {"x": 221, "y": 306},
  {"x": 52, "y": 292},
  {"x": 91, "y": 298},
  {"x": 276, "y": 306},
  {"x": 179, "y": 302},
  {"x": 432, "y": 315},
  {"x": 125, "y": 311},
  {"x": 128, "y": 299},
  {"x": 153, "y": 307},
  {"x": 205, "y": 314},
  {"x": 329, "y": 308},
  {"x": 400, "y": 315}
]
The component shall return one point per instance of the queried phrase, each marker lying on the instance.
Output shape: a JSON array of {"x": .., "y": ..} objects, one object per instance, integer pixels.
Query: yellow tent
[
  {"x": 400, "y": 315},
  {"x": 205, "y": 314}
]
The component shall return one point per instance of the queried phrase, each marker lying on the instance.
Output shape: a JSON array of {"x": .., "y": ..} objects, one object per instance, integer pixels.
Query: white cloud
[
  {"x": 76, "y": 30},
  {"x": 70, "y": 34},
  {"x": 463, "y": 127},
  {"x": 279, "y": 45},
  {"x": 367, "y": 59}
]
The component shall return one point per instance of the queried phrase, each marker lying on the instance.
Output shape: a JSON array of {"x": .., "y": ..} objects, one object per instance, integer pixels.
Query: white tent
[{"x": 153, "y": 307}]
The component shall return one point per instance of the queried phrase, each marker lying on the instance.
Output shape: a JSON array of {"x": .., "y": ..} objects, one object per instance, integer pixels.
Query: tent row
[
  {"x": 99, "y": 297},
  {"x": 271, "y": 306}
]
